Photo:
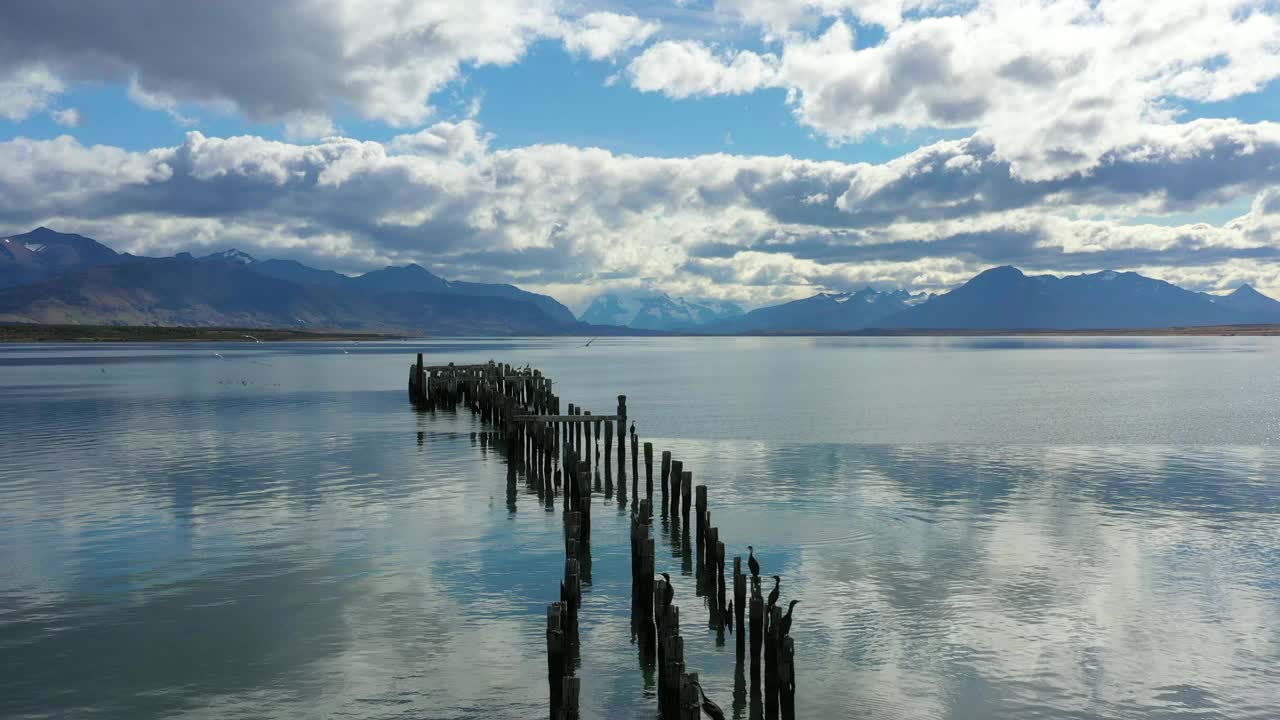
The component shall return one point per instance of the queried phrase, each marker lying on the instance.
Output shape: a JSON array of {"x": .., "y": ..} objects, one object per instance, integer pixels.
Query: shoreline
[
  {"x": 141, "y": 333},
  {"x": 27, "y": 333}
]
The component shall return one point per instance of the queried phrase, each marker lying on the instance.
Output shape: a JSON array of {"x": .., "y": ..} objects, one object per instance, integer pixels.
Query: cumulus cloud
[
  {"x": 460, "y": 140},
  {"x": 749, "y": 228},
  {"x": 680, "y": 69},
  {"x": 295, "y": 61},
  {"x": 602, "y": 35},
  {"x": 26, "y": 89},
  {"x": 68, "y": 117},
  {"x": 1053, "y": 86}
]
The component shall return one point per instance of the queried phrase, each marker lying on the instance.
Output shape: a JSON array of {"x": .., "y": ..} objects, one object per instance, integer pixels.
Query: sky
[{"x": 748, "y": 150}]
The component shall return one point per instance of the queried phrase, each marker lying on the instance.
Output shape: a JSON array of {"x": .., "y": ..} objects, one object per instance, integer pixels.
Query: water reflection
[{"x": 173, "y": 547}]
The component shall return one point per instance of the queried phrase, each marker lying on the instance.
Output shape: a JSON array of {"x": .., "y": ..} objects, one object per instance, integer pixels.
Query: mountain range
[
  {"x": 825, "y": 312},
  {"x": 52, "y": 277},
  {"x": 1006, "y": 298},
  {"x": 657, "y": 311}
]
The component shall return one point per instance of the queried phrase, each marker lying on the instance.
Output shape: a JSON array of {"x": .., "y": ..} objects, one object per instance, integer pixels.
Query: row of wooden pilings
[{"x": 558, "y": 451}]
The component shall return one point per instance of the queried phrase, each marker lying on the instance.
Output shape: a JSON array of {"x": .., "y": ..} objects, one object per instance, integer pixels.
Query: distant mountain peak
[
  {"x": 1246, "y": 290},
  {"x": 232, "y": 255}
]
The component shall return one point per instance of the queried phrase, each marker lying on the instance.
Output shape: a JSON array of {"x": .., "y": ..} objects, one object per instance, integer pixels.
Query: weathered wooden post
[
  {"x": 739, "y": 606},
  {"x": 648, "y": 471},
  {"x": 622, "y": 437},
  {"x": 573, "y": 591},
  {"x": 690, "y": 697},
  {"x": 584, "y": 498},
  {"x": 577, "y": 434},
  {"x": 557, "y": 657},
  {"x": 686, "y": 494},
  {"x": 608, "y": 449},
  {"x": 568, "y": 428},
  {"x": 635, "y": 465},
  {"x": 595, "y": 455},
  {"x": 787, "y": 678},
  {"x": 666, "y": 471},
  {"x": 586, "y": 449},
  {"x": 675, "y": 668},
  {"x": 722, "y": 601},
  {"x": 677, "y": 468},
  {"x": 700, "y": 535},
  {"x": 569, "y": 706},
  {"x": 771, "y": 663},
  {"x": 757, "y": 633}
]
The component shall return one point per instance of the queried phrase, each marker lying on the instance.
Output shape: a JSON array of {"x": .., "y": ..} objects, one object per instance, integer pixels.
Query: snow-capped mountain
[
  {"x": 824, "y": 312},
  {"x": 232, "y": 255},
  {"x": 656, "y": 311}
]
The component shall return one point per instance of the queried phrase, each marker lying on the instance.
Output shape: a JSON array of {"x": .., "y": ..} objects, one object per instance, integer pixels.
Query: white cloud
[
  {"x": 683, "y": 68},
  {"x": 602, "y": 35},
  {"x": 1053, "y": 85},
  {"x": 462, "y": 140},
  {"x": 747, "y": 228},
  {"x": 68, "y": 117},
  {"x": 27, "y": 89},
  {"x": 286, "y": 60}
]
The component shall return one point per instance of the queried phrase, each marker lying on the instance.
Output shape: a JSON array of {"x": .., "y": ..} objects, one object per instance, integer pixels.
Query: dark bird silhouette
[
  {"x": 712, "y": 710},
  {"x": 773, "y": 594},
  {"x": 728, "y": 613},
  {"x": 588, "y": 343},
  {"x": 753, "y": 565},
  {"x": 633, "y": 427},
  {"x": 669, "y": 592},
  {"x": 784, "y": 627}
]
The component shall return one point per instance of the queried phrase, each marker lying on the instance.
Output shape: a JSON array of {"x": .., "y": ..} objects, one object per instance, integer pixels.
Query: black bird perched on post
[
  {"x": 712, "y": 710},
  {"x": 728, "y": 613},
  {"x": 754, "y": 566},
  {"x": 668, "y": 593},
  {"x": 784, "y": 627},
  {"x": 633, "y": 427},
  {"x": 773, "y": 595}
]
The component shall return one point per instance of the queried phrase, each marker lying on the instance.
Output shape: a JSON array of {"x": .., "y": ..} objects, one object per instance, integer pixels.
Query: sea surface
[{"x": 976, "y": 528}]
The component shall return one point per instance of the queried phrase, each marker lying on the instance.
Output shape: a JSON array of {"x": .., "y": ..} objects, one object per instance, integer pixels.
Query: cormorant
[
  {"x": 753, "y": 565},
  {"x": 633, "y": 427},
  {"x": 773, "y": 595},
  {"x": 669, "y": 592},
  {"x": 712, "y": 710},
  {"x": 784, "y": 627},
  {"x": 728, "y": 613}
]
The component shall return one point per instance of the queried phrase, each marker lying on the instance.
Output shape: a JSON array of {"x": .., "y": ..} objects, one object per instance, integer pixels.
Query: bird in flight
[
  {"x": 588, "y": 343},
  {"x": 252, "y": 338}
]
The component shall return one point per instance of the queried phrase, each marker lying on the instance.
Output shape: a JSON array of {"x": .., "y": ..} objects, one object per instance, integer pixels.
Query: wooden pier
[{"x": 559, "y": 454}]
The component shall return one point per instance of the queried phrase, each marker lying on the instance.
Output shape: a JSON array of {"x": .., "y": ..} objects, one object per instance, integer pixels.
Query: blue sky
[{"x": 741, "y": 150}]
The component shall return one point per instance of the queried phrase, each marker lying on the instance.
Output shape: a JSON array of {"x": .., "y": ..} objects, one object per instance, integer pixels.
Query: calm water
[{"x": 978, "y": 528}]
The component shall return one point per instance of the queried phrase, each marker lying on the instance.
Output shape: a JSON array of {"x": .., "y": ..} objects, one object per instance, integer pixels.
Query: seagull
[
  {"x": 588, "y": 343},
  {"x": 344, "y": 352},
  {"x": 219, "y": 356},
  {"x": 252, "y": 338}
]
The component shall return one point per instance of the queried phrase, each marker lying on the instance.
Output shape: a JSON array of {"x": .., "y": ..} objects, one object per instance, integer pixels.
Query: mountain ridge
[{"x": 47, "y": 276}]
